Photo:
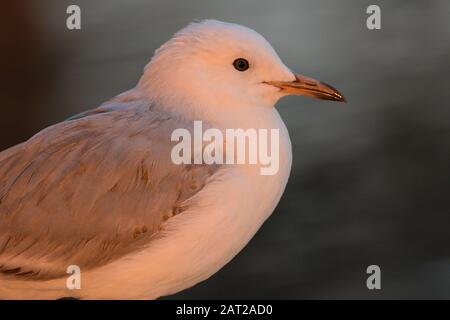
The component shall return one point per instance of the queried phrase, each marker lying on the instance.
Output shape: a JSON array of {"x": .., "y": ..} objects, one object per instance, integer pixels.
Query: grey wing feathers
[{"x": 89, "y": 191}]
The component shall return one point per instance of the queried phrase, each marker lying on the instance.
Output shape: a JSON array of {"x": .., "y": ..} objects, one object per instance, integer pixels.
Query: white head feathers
[{"x": 193, "y": 72}]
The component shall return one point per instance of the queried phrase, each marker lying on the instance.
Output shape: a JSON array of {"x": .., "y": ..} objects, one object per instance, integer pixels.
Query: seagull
[{"x": 100, "y": 190}]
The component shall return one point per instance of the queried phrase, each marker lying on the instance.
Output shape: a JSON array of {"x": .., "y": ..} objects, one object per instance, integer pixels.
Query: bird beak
[{"x": 309, "y": 87}]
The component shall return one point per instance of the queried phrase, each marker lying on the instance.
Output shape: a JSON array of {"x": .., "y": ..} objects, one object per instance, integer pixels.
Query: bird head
[{"x": 212, "y": 66}]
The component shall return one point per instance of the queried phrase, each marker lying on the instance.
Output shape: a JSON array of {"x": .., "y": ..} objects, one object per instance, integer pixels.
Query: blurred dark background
[{"x": 370, "y": 182}]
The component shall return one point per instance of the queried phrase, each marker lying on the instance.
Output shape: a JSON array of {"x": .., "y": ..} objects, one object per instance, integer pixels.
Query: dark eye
[{"x": 240, "y": 64}]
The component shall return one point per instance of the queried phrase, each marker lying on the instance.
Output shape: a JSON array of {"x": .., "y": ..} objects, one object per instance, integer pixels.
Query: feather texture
[{"x": 92, "y": 189}]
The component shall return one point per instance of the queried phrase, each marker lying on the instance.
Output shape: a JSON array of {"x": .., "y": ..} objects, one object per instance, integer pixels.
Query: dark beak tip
[{"x": 337, "y": 95}]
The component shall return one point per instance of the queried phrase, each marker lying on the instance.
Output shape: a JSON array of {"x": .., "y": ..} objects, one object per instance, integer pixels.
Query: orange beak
[{"x": 306, "y": 86}]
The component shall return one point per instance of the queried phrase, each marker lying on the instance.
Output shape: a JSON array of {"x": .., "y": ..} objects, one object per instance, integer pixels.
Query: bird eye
[{"x": 241, "y": 64}]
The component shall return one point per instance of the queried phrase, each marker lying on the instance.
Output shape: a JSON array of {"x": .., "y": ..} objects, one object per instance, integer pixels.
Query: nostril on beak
[
  {"x": 310, "y": 83},
  {"x": 306, "y": 81}
]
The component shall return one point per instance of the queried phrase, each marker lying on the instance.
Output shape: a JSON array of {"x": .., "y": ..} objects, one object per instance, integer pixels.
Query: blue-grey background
[{"x": 370, "y": 182}]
